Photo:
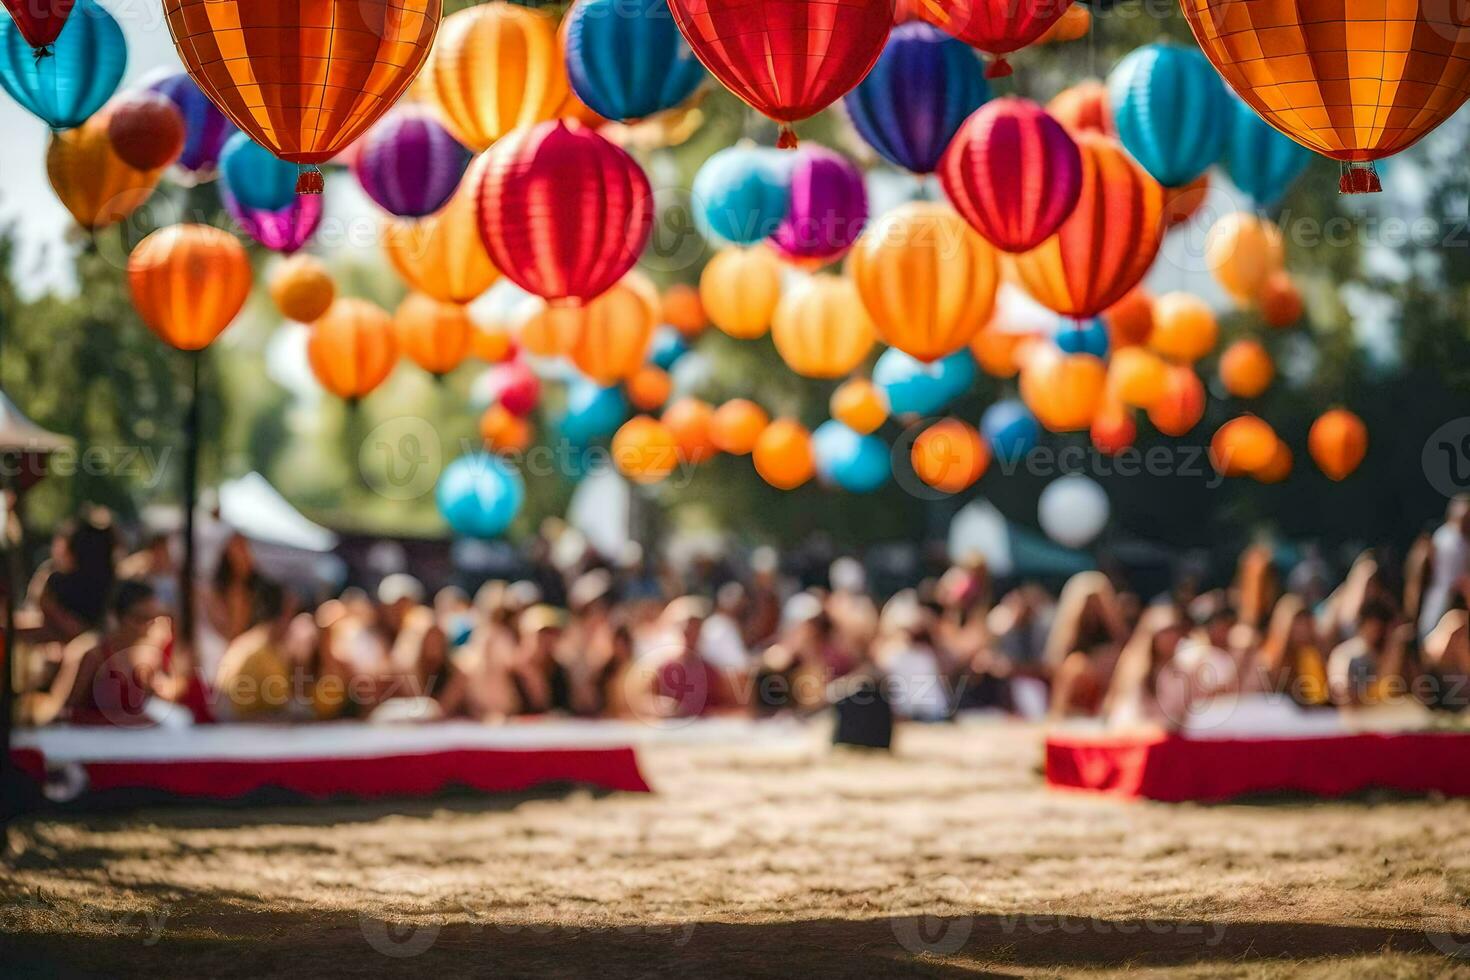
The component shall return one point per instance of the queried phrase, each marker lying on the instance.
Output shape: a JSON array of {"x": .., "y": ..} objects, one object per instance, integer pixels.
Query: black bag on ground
[{"x": 864, "y": 717}]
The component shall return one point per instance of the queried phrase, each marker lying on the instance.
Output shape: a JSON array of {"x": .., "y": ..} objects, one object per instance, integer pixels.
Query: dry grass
[{"x": 947, "y": 859}]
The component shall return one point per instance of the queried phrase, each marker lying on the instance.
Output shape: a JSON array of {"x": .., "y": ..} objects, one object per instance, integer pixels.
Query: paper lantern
[
  {"x": 1113, "y": 429},
  {"x": 1180, "y": 403},
  {"x": 1170, "y": 110},
  {"x": 352, "y": 349},
  {"x": 1261, "y": 161},
  {"x": 927, "y": 279},
  {"x": 649, "y": 388},
  {"x": 602, "y": 218},
  {"x": 1243, "y": 251},
  {"x": 856, "y": 463},
  {"x": 860, "y": 405},
  {"x": 1010, "y": 429},
  {"x": 593, "y": 412},
  {"x": 409, "y": 164},
  {"x": 668, "y": 346},
  {"x": 949, "y": 456},
  {"x": 1243, "y": 445},
  {"x": 683, "y": 310},
  {"x": 1246, "y": 370},
  {"x": 1181, "y": 204},
  {"x": 743, "y": 193},
  {"x": 792, "y": 60},
  {"x": 1084, "y": 108},
  {"x": 255, "y": 177},
  {"x": 1280, "y": 301},
  {"x": 285, "y": 231},
  {"x": 1063, "y": 390},
  {"x": 91, "y": 180},
  {"x": 1106, "y": 245},
  {"x": 433, "y": 334},
  {"x": 1137, "y": 377},
  {"x": 829, "y": 208},
  {"x": 690, "y": 421},
  {"x": 914, "y": 387},
  {"x": 205, "y": 128},
  {"x": 614, "y": 330},
  {"x": 443, "y": 255},
  {"x": 1013, "y": 173},
  {"x": 1355, "y": 82},
  {"x": 821, "y": 329},
  {"x": 1082, "y": 337},
  {"x": 302, "y": 289},
  {"x": 1130, "y": 321},
  {"x": 628, "y": 62},
  {"x": 480, "y": 495},
  {"x": 997, "y": 27},
  {"x": 491, "y": 342},
  {"x": 1338, "y": 442},
  {"x": 188, "y": 282},
  {"x": 783, "y": 455},
  {"x": 304, "y": 80},
  {"x": 1279, "y": 468},
  {"x": 912, "y": 103},
  {"x": 515, "y": 387},
  {"x": 504, "y": 432},
  {"x": 146, "y": 130},
  {"x": 644, "y": 450},
  {"x": 1074, "y": 25},
  {"x": 736, "y": 425},
  {"x": 39, "y": 22},
  {"x": 995, "y": 351},
  {"x": 740, "y": 289},
  {"x": 1073, "y": 510},
  {"x": 1185, "y": 329},
  {"x": 79, "y": 73}
]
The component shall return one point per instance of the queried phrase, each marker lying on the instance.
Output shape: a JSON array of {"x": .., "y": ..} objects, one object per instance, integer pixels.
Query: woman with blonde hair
[
  {"x": 1290, "y": 660},
  {"x": 1146, "y": 688},
  {"x": 1083, "y": 646}
]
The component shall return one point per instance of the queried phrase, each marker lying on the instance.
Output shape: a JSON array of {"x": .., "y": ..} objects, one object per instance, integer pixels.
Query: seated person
[
  {"x": 255, "y": 678},
  {"x": 1290, "y": 659},
  {"x": 1364, "y": 668},
  {"x": 1149, "y": 688}
]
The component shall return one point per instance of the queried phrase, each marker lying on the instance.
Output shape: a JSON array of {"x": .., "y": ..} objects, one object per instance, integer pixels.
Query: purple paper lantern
[
  {"x": 829, "y": 207},
  {"x": 283, "y": 231},
  {"x": 409, "y": 164},
  {"x": 205, "y": 128}
]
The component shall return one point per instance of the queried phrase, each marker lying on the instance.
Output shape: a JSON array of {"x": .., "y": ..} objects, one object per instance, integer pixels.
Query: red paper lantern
[
  {"x": 996, "y": 27},
  {"x": 40, "y": 22},
  {"x": 563, "y": 212},
  {"x": 789, "y": 59}
]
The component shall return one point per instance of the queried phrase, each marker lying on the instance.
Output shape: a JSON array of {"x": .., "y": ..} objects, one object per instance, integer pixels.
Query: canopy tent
[{"x": 981, "y": 531}]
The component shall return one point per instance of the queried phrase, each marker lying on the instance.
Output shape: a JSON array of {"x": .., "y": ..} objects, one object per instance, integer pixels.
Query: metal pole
[
  {"x": 9, "y": 777},
  {"x": 191, "y": 495}
]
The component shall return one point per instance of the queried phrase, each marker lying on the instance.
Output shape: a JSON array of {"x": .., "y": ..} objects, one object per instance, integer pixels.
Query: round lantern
[
  {"x": 684, "y": 311},
  {"x": 912, "y": 103},
  {"x": 1243, "y": 251},
  {"x": 668, "y": 347},
  {"x": 515, "y": 387},
  {"x": 443, "y": 255},
  {"x": 1130, "y": 321},
  {"x": 503, "y": 432},
  {"x": 1014, "y": 173},
  {"x": 926, "y": 278},
  {"x": 254, "y": 175},
  {"x": 740, "y": 289},
  {"x": 690, "y": 420},
  {"x": 1280, "y": 301},
  {"x": 285, "y": 231},
  {"x": 302, "y": 289},
  {"x": 1180, "y": 403},
  {"x": 479, "y": 495},
  {"x": 1113, "y": 429},
  {"x": 649, "y": 388},
  {"x": 76, "y": 76},
  {"x": 743, "y": 193},
  {"x": 1107, "y": 243},
  {"x": 1181, "y": 204},
  {"x": 91, "y": 180},
  {"x": 1084, "y": 108},
  {"x": 860, "y": 405},
  {"x": 627, "y": 62},
  {"x": 821, "y": 329},
  {"x": 39, "y": 23},
  {"x": 1243, "y": 445},
  {"x": 736, "y": 425},
  {"x": 1082, "y": 337},
  {"x": 997, "y": 28},
  {"x": 205, "y": 128},
  {"x": 1010, "y": 429},
  {"x": 1073, "y": 510},
  {"x": 995, "y": 351},
  {"x": 1185, "y": 329},
  {"x": 304, "y": 80},
  {"x": 829, "y": 208},
  {"x": 783, "y": 455},
  {"x": 614, "y": 330},
  {"x": 593, "y": 412},
  {"x": 1137, "y": 377},
  {"x": 1261, "y": 161},
  {"x": 949, "y": 456},
  {"x": 794, "y": 59},
  {"x": 856, "y": 463},
  {"x": 352, "y": 349},
  {"x": 433, "y": 334},
  {"x": 1338, "y": 441},
  {"x": 913, "y": 387},
  {"x": 1170, "y": 110},
  {"x": 491, "y": 342},
  {"x": 146, "y": 130},
  {"x": 1280, "y": 466},
  {"x": 1246, "y": 369},
  {"x": 409, "y": 164},
  {"x": 1063, "y": 390},
  {"x": 644, "y": 450},
  {"x": 188, "y": 282},
  {"x": 552, "y": 251}
]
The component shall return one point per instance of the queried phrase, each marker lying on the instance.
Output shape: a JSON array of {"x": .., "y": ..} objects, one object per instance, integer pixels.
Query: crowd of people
[{"x": 100, "y": 634}]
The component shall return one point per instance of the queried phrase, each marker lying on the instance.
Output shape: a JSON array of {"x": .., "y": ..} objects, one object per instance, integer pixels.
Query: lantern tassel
[
  {"x": 309, "y": 180},
  {"x": 999, "y": 68},
  {"x": 787, "y": 140},
  {"x": 1359, "y": 177}
]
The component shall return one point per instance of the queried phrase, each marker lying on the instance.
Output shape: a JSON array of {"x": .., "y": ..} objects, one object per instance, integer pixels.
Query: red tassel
[
  {"x": 1359, "y": 178},
  {"x": 310, "y": 181},
  {"x": 999, "y": 68},
  {"x": 787, "y": 140}
]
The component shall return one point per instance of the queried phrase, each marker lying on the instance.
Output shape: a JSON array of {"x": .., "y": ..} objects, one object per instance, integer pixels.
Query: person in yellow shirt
[{"x": 1290, "y": 659}]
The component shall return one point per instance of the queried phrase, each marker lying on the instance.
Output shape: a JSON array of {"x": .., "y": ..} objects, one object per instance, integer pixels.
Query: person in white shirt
[{"x": 1449, "y": 564}]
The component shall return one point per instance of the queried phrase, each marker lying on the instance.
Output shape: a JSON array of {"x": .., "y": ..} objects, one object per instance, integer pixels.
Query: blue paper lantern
[
  {"x": 1083, "y": 337},
  {"x": 911, "y": 104},
  {"x": 1011, "y": 429},
  {"x": 255, "y": 176},
  {"x": 742, "y": 193},
  {"x": 593, "y": 412},
  {"x": 479, "y": 495},
  {"x": 67, "y": 86},
  {"x": 1261, "y": 161},
  {"x": 856, "y": 463},
  {"x": 1171, "y": 111},
  {"x": 916, "y": 388},
  {"x": 668, "y": 346},
  {"x": 629, "y": 61}
]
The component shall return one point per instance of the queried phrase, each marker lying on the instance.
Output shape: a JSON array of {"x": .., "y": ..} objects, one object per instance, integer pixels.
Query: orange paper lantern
[
  {"x": 443, "y": 255},
  {"x": 1243, "y": 445},
  {"x": 739, "y": 290},
  {"x": 649, "y": 388},
  {"x": 95, "y": 184},
  {"x": 1062, "y": 390},
  {"x": 1246, "y": 370},
  {"x": 783, "y": 455},
  {"x": 821, "y": 329},
  {"x": 1113, "y": 428},
  {"x": 1130, "y": 321},
  {"x": 737, "y": 425},
  {"x": 1338, "y": 442},
  {"x": 1281, "y": 301},
  {"x": 1180, "y": 404},
  {"x": 644, "y": 450},
  {"x": 1244, "y": 251},
  {"x": 860, "y": 405},
  {"x": 433, "y": 334},
  {"x": 491, "y": 343},
  {"x": 949, "y": 456},
  {"x": 188, "y": 282},
  {"x": 614, "y": 329},
  {"x": 1137, "y": 377},
  {"x": 683, "y": 310},
  {"x": 1184, "y": 327},
  {"x": 302, "y": 289},
  {"x": 352, "y": 348},
  {"x": 505, "y": 432},
  {"x": 690, "y": 420}
]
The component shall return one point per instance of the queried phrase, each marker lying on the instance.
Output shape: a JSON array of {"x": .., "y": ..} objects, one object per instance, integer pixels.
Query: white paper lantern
[{"x": 1073, "y": 510}]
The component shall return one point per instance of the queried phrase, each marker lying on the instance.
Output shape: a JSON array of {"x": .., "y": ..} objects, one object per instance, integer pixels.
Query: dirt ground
[{"x": 947, "y": 859}]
